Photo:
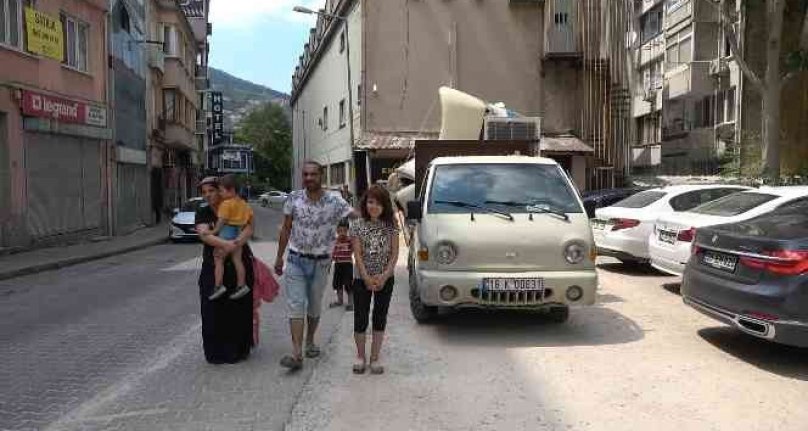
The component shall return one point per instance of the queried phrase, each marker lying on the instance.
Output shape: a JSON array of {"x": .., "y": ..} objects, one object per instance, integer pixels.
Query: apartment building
[
  {"x": 366, "y": 87},
  {"x": 675, "y": 103},
  {"x": 174, "y": 147},
  {"x": 132, "y": 207},
  {"x": 56, "y": 150},
  {"x": 692, "y": 106}
]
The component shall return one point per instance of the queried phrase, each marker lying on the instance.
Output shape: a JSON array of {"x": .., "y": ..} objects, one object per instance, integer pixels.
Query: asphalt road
[{"x": 116, "y": 344}]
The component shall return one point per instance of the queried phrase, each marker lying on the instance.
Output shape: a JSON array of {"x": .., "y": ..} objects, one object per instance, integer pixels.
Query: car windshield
[
  {"x": 641, "y": 200},
  {"x": 191, "y": 206},
  {"x": 733, "y": 205},
  {"x": 510, "y": 187}
]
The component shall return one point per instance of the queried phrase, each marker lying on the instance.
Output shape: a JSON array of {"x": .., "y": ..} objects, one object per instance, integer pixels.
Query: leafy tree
[
  {"x": 781, "y": 67},
  {"x": 268, "y": 130}
]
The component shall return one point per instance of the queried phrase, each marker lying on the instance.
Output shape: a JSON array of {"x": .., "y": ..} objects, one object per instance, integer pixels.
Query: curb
[{"x": 70, "y": 261}]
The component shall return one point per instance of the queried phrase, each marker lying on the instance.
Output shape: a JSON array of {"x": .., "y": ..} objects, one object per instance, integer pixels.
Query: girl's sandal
[
  {"x": 359, "y": 366},
  {"x": 375, "y": 368}
]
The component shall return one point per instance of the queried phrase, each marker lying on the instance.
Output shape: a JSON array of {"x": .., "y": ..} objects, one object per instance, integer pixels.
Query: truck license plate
[{"x": 513, "y": 284}]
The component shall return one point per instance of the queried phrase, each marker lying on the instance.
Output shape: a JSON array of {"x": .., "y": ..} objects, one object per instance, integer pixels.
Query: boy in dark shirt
[{"x": 343, "y": 266}]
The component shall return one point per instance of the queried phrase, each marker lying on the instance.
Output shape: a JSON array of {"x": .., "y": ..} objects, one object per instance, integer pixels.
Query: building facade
[
  {"x": 132, "y": 207},
  {"x": 694, "y": 112},
  {"x": 56, "y": 151},
  {"x": 174, "y": 147},
  {"x": 362, "y": 95}
]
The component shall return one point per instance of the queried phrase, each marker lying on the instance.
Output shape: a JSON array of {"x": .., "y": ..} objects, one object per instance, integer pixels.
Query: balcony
[
  {"x": 652, "y": 50},
  {"x": 179, "y": 137},
  {"x": 648, "y": 5},
  {"x": 689, "y": 80},
  {"x": 646, "y": 156},
  {"x": 647, "y": 102},
  {"x": 157, "y": 59},
  {"x": 678, "y": 13},
  {"x": 719, "y": 67}
]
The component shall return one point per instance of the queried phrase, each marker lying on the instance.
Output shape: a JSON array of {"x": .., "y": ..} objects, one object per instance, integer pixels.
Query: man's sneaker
[
  {"x": 312, "y": 351},
  {"x": 217, "y": 293},
  {"x": 243, "y": 290}
]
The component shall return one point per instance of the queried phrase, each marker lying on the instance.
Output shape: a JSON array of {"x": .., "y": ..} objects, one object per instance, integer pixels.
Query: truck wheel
[
  {"x": 421, "y": 312},
  {"x": 559, "y": 314}
]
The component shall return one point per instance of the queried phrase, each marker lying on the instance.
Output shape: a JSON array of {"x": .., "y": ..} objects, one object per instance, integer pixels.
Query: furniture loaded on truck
[{"x": 493, "y": 224}]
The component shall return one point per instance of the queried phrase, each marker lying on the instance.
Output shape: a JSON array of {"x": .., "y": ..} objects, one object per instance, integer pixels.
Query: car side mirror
[
  {"x": 415, "y": 210},
  {"x": 590, "y": 207},
  {"x": 175, "y": 211}
]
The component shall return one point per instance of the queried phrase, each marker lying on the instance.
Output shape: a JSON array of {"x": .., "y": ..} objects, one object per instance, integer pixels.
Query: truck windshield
[{"x": 517, "y": 188}]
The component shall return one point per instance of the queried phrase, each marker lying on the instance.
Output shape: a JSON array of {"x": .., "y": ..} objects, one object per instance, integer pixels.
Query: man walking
[{"x": 309, "y": 229}]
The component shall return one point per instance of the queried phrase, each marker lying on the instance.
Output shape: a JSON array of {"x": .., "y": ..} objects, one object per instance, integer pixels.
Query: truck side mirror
[
  {"x": 415, "y": 210},
  {"x": 590, "y": 207}
]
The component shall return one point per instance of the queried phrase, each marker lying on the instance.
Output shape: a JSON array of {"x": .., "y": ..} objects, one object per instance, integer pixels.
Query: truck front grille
[{"x": 526, "y": 298}]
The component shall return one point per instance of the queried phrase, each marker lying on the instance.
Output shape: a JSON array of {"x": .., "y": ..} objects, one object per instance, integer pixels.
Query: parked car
[
  {"x": 271, "y": 199},
  {"x": 622, "y": 230},
  {"x": 669, "y": 245},
  {"x": 753, "y": 275},
  {"x": 182, "y": 223},
  {"x": 604, "y": 198}
]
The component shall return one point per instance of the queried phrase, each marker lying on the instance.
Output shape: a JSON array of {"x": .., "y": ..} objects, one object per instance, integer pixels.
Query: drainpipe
[{"x": 110, "y": 153}]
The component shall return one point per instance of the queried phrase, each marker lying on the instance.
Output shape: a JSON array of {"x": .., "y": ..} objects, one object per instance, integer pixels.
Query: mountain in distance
[{"x": 242, "y": 96}]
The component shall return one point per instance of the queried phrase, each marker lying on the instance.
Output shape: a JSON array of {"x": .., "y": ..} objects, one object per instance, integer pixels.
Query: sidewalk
[{"x": 37, "y": 260}]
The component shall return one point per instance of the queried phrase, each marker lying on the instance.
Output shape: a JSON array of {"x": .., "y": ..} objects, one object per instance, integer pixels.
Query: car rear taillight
[
  {"x": 623, "y": 223},
  {"x": 686, "y": 235},
  {"x": 782, "y": 262}
]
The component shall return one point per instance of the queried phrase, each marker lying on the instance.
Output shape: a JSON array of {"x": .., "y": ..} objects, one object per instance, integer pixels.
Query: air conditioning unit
[{"x": 512, "y": 129}]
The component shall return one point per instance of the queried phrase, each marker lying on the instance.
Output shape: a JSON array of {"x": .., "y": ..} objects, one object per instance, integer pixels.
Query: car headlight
[
  {"x": 446, "y": 253},
  {"x": 575, "y": 253}
]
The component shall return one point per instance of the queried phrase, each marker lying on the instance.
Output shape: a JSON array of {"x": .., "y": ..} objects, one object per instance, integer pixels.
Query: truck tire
[
  {"x": 559, "y": 314},
  {"x": 421, "y": 312}
]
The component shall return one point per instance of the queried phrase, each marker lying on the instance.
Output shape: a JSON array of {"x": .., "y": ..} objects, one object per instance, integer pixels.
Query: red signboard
[{"x": 62, "y": 110}]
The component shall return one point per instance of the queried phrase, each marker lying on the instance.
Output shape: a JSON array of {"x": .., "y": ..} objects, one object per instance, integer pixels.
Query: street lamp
[{"x": 307, "y": 11}]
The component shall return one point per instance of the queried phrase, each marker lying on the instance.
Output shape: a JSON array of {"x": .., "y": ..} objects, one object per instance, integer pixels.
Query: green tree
[{"x": 268, "y": 130}]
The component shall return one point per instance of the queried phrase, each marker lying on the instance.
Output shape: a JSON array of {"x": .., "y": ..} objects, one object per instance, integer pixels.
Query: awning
[
  {"x": 392, "y": 140},
  {"x": 564, "y": 144}
]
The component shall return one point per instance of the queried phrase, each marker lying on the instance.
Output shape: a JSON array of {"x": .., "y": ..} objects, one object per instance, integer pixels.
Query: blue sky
[{"x": 260, "y": 40}]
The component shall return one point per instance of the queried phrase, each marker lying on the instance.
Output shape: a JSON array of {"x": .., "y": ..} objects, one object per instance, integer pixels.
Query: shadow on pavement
[
  {"x": 675, "y": 288},
  {"x": 785, "y": 361},
  {"x": 634, "y": 269},
  {"x": 590, "y": 326}
]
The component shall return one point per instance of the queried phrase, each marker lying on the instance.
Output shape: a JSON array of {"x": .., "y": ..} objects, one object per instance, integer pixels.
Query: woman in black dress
[{"x": 226, "y": 323}]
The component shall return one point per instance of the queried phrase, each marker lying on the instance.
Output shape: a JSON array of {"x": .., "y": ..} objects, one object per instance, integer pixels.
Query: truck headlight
[
  {"x": 575, "y": 253},
  {"x": 446, "y": 253}
]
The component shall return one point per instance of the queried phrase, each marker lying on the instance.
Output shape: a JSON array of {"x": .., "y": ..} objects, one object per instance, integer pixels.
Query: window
[
  {"x": 123, "y": 19},
  {"x": 641, "y": 200},
  {"x": 338, "y": 174},
  {"x": 680, "y": 48},
  {"x": 325, "y": 118},
  {"x": 703, "y": 115},
  {"x": 730, "y": 100},
  {"x": 169, "y": 38},
  {"x": 342, "y": 41},
  {"x": 170, "y": 105},
  {"x": 11, "y": 22},
  {"x": 799, "y": 206},
  {"x": 674, "y": 5},
  {"x": 734, "y": 204},
  {"x": 76, "y": 42},
  {"x": 506, "y": 187},
  {"x": 342, "y": 113},
  {"x": 689, "y": 201},
  {"x": 651, "y": 24}
]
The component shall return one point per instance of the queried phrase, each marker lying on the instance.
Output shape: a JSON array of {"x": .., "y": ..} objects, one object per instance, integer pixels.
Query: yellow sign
[{"x": 44, "y": 34}]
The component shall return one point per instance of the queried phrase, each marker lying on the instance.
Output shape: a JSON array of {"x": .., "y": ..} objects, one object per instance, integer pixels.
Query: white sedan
[
  {"x": 671, "y": 241},
  {"x": 622, "y": 230},
  {"x": 272, "y": 199}
]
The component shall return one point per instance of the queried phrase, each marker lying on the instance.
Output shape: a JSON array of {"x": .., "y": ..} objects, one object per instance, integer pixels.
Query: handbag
[{"x": 265, "y": 289}]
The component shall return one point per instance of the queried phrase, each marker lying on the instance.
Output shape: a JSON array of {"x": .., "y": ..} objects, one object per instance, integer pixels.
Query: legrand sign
[
  {"x": 44, "y": 34},
  {"x": 62, "y": 110}
]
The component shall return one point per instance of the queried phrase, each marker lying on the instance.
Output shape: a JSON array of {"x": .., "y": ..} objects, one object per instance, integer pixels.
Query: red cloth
[
  {"x": 265, "y": 288},
  {"x": 343, "y": 250}
]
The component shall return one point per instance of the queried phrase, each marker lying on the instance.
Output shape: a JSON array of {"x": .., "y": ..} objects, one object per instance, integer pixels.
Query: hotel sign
[
  {"x": 44, "y": 34},
  {"x": 217, "y": 123},
  {"x": 63, "y": 110}
]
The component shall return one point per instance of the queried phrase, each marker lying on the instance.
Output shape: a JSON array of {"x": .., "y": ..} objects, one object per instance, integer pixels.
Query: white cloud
[{"x": 241, "y": 13}]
